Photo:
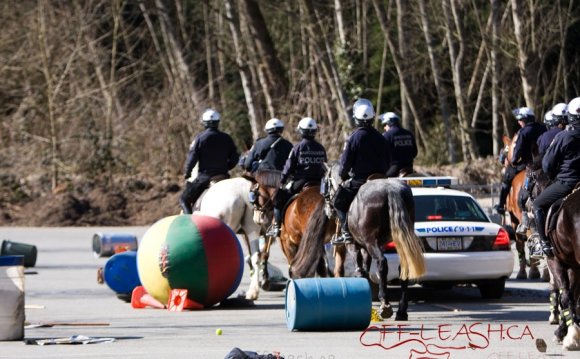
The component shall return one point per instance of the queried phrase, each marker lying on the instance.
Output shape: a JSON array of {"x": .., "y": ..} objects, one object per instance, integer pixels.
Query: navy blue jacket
[
  {"x": 545, "y": 139},
  {"x": 527, "y": 137},
  {"x": 216, "y": 153},
  {"x": 306, "y": 161},
  {"x": 258, "y": 155},
  {"x": 402, "y": 146},
  {"x": 366, "y": 152},
  {"x": 562, "y": 159}
]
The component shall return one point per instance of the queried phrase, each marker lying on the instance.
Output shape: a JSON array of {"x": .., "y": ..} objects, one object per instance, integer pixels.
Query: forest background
[{"x": 100, "y": 99}]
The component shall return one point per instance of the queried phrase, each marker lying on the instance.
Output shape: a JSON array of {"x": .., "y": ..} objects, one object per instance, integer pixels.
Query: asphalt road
[{"x": 62, "y": 288}]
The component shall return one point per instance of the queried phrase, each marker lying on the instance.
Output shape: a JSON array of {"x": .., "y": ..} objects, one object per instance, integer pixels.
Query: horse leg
[
  {"x": 264, "y": 275},
  {"x": 554, "y": 308},
  {"x": 520, "y": 248},
  {"x": 403, "y": 302},
  {"x": 385, "y": 310},
  {"x": 254, "y": 288},
  {"x": 572, "y": 339},
  {"x": 360, "y": 271},
  {"x": 339, "y": 257},
  {"x": 534, "y": 273}
]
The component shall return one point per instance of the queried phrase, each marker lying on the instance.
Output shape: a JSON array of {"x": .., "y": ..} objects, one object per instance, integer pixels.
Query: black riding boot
[
  {"x": 345, "y": 236},
  {"x": 505, "y": 190},
  {"x": 545, "y": 246}
]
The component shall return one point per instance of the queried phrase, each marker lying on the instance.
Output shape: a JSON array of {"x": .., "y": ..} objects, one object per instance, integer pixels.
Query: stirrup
[
  {"x": 274, "y": 231},
  {"x": 343, "y": 238},
  {"x": 522, "y": 229}
]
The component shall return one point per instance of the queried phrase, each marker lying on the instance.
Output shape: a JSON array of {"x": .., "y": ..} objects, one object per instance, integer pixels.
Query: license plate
[{"x": 449, "y": 244}]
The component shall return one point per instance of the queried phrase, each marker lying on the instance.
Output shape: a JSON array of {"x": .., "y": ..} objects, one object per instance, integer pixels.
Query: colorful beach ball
[{"x": 198, "y": 253}]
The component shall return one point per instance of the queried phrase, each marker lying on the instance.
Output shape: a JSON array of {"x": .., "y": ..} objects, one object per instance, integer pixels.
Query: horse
[
  {"x": 228, "y": 200},
  {"x": 565, "y": 265},
  {"x": 297, "y": 216},
  {"x": 514, "y": 215},
  {"x": 382, "y": 212}
]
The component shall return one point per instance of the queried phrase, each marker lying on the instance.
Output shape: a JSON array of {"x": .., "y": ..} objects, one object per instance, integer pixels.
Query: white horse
[{"x": 229, "y": 201}]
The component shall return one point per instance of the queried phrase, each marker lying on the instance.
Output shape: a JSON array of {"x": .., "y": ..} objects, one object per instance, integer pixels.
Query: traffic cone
[
  {"x": 178, "y": 301},
  {"x": 141, "y": 299}
]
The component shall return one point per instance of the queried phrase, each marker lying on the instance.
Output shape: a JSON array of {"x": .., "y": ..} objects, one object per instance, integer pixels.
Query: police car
[{"x": 462, "y": 245}]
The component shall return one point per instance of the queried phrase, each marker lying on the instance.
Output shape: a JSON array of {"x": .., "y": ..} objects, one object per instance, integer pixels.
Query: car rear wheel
[{"x": 492, "y": 288}]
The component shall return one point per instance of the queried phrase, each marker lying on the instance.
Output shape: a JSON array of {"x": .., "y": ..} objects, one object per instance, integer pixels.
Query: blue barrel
[
  {"x": 328, "y": 304},
  {"x": 11, "y": 297},
  {"x": 107, "y": 244},
  {"x": 120, "y": 272}
]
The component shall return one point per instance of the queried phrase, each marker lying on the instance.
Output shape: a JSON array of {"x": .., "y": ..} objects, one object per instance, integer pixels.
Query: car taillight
[
  {"x": 389, "y": 247},
  {"x": 502, "y": 240}
]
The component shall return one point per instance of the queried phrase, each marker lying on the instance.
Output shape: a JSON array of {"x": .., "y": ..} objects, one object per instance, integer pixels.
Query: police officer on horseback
[
  {"x": 216, "y": 154},
  {"x": 366, "y": 152},
  {"x": 562, "y": 163},
  {"x": 270, "y": 152},
  {"x": 304, "y": 165},
  {"x": 555, "y": 120},
  {"x": 403, "y": 147},
  {"x": 522, "y": 153}
]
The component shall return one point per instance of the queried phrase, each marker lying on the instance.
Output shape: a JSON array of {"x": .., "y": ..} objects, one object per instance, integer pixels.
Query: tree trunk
[
  {"x": 436, "y": 70},
  {"x": 495, "y": 73},
  {"x": 275, "y": 73},
  {"x": 242, "y": 68},
  {"x": 526, "y": 57},
  {"x": 340, "y": 23},
  {"x": 403, "y": 38}
]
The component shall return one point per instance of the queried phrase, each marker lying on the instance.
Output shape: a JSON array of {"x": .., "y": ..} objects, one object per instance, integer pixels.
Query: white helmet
[
  {"x": 307, "y": 127},
  {"x": 525, "y": 114},
  {"x": 210, "y": 118},
  {"x": 274, "y": 125},
  {"x": 574, "y": 111},
  {"x": 389, "y": 118},
  {"x": 549, "y": 119},
  {"x": 363, "y": 112}
]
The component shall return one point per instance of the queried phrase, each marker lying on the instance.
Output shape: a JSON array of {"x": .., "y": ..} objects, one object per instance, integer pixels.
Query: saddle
[
  {"x": 213, "y": 180},
  {"x": 554, "y": 211}
]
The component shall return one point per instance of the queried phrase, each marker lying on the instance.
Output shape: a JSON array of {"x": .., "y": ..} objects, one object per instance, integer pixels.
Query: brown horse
[
  {"x": 382, "y": 212},
  {"x": 565, "y": 269},
  {"x": 514, "y": 215},
  {"x": 296, "y": 219}
]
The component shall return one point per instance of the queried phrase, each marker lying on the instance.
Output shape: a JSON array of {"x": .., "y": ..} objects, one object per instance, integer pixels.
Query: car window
[{"x": 447, "y": 208}]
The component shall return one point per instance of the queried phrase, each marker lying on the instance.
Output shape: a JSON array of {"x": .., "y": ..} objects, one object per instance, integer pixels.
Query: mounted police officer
[
  {"x": 216, "y": 154},
  {"x": 555, "y": 120},
  {"x": 522, "y": 154},
  {"x": 305, "y": 164},
  {"x": 403, "y": 147},
  {"x": 270, "y": 152},
  {"x": 366, "y": 152},
  {"x": 562, "y": 163}
]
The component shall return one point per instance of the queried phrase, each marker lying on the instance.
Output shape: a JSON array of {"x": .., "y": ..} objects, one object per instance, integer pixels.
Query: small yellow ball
[{"x": 218, "y": 331}]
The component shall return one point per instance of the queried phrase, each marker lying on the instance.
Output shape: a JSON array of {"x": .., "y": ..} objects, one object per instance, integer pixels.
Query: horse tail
[
  {"x": 408, "y": 245},
  {"x": 311, "y": 248}
]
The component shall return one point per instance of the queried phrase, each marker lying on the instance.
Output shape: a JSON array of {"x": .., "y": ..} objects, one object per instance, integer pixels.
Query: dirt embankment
[{"x": 141, "y": 202}]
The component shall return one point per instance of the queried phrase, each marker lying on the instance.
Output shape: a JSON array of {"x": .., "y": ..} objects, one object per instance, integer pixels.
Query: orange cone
[
  {"x": 178, "y": 301},
  {"x": 141, "y": 299}
]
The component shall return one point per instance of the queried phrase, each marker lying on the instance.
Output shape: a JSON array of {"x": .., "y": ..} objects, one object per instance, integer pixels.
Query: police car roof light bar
[{"x": 435, "y": 181}]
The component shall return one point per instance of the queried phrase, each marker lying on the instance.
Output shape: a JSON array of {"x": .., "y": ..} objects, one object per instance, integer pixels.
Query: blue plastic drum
[
  {"x": 120, "y": 272},
  {"x": 328, "y": 304}
]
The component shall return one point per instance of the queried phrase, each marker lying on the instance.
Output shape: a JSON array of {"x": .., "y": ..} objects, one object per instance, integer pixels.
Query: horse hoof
[
  {"x": 522, "y": 274},
  {"x": 265, "y": 285},
  {"x": 403, "y": 317},
  {"x": 534, "y": 273},
  {"x": 572, "y": 340},
  {"x": 386, "y": 311},
  {"x": 251, "y": 295},
  {"x": 554, "y": 319}
]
